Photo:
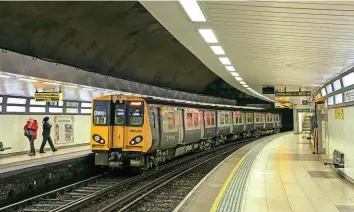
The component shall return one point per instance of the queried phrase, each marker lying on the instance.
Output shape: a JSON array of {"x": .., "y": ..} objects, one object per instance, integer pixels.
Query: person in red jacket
[{"x": 31, "y": 133}]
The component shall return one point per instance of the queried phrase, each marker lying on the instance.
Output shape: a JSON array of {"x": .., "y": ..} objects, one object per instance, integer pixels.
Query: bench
[
  {"x": 337, "y": 159},
  {"x": 2, "y": 147}
]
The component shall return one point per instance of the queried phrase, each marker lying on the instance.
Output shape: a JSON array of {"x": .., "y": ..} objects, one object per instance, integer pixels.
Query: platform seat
[{"x": 337, "y": 159}]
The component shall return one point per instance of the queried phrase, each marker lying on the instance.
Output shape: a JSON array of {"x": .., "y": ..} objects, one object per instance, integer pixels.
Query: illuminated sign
[
  {"x": 293, "y": 93},
  {"x": 48, "y": 97}
]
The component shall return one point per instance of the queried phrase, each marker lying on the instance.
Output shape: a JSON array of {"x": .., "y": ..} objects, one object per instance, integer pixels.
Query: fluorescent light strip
[
  {"x": 218, "y": 50},
  {"x": 234, "y": 74},
  {"x": 52, "y": 83},
  {"x": 238, "y": 78},
  {"x": 208, "y": 35},
  {"x": 193, "y": 10},
  {"x": 242, "y": 83},
  {"x": 245, "y": 85},
  {"x": 225, "y": 60},
  {"x": 230, "y": 68},
  {"x": 28, "y": 80},
  {"x": 4, "y": 76}
]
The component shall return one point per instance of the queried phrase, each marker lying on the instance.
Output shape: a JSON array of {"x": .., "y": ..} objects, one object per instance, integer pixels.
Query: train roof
[{"x": 185, "y": 103}]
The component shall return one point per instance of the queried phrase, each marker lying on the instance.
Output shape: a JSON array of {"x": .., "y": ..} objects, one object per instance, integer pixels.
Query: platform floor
[
  {"x": 15, "y": 162},
  {"x": 284, "y": 176}
]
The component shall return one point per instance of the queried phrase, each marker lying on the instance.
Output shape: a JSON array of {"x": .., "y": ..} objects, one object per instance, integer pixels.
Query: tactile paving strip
[{"x": 232, "y": 198}]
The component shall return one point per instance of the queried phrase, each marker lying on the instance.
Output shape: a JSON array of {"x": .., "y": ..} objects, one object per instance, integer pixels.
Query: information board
[
  {"x": 349, "y": 96},
  {"x": 48, "y": 96},
  {"x": 293, "y": 93}
]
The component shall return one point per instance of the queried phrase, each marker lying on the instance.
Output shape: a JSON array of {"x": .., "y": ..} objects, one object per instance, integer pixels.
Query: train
[{"x": 141, "y": 133}]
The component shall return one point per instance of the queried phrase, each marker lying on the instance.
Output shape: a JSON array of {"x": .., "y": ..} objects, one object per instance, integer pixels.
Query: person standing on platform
[
  {"x": 31, "y": 133},
  {"x": 46, "y": 135}
]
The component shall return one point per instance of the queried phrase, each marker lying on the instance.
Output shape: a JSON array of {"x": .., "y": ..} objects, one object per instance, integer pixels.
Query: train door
[
  {"x": 230, "y": 117},
  {"x": 180, "y": 125},
  {"x": 202, "y": 124},
  {"x": 119, "y": 125},
  {"x": 159, "y": 125}
]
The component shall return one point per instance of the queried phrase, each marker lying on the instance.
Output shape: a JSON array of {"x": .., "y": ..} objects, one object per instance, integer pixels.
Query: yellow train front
[{"x": 120, "y": 131}]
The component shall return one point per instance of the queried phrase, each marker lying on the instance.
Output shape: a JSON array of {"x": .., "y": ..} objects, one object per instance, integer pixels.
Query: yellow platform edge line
[{"x": 227, "y": 182}]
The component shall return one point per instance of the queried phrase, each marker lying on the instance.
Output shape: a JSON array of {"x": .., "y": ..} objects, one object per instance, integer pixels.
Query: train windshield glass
[
  {"x": 100, "y": 116},
  {"x": 136, "y": 114}
]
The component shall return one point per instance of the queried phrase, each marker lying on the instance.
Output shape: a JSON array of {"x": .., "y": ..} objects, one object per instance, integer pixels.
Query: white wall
[
  {"x": 301, "y": 120},
  {"x": 11, "y": 131},
  {"x": 341, "y": 137}
]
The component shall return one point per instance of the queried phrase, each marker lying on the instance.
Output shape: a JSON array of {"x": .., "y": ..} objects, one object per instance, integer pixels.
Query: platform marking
[{"x": 227, "y": 182}]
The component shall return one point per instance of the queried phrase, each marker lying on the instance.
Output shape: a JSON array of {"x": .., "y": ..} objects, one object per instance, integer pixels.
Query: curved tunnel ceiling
[{"x": 119, "y": 39}]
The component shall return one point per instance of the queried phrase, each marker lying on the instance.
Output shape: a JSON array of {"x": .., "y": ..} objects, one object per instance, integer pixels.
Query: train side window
[
  {"x": 277, "y": 118},
  {"x": 271, "y": 118},
  {"x": 100, "y": 116},
  {"x": 189, "y": 120},
  {"x": 212, "y": 119},
  {"x": 208, "y": 119},
  {"x": 222, "y": 118},
  {"x": 249, "y": 118},
  {"x": 196, "y": 119},
  {"x": 171, "y": 118},
  {"x": 226, "y": 115}
]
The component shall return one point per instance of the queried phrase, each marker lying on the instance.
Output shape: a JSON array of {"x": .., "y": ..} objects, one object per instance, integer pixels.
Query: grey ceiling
[{"x": 119, "y": 39}]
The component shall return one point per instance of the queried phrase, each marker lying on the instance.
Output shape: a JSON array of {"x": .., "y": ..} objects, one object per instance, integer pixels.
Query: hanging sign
[
  {"x": 48, "y": 96},
  {"x": 339, "y": 113},
  {"x": 304, "y": 110},
  {"x": 293, "y": 93}
]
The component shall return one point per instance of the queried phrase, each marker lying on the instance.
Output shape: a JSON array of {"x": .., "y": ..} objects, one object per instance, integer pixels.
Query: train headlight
[
  {"x": 136, "y": 140},
  {"x": 98, "y": 139}
]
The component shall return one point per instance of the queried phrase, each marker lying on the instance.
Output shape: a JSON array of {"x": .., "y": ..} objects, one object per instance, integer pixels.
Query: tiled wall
[
  {"x": 341, "y": 137},
  {"x": 12, "y": 134}
]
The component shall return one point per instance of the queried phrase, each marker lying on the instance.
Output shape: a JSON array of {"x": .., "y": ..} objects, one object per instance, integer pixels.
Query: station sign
[
  {"x": 304, "y": 110},
  {"x": 305, "y": 102},
  {"x": 48, "y": 96},
  {"x": 293, "y": 93}
]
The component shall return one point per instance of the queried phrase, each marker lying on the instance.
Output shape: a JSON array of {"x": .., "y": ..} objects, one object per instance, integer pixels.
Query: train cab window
[
  {"x": 171, "y": 118},
  {"x": 189, "y": 120},
  {"x": 136, "y": 113},
  {"x": 196, "y": 119},
  {"x": 100, "y": 116},
  {"x": 119, "y": 116}
]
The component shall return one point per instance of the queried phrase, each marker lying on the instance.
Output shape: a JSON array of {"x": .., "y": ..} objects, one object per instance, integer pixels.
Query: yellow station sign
[
  {"x": 48, "y": 97},
  {"x": 339, "y": 113}
]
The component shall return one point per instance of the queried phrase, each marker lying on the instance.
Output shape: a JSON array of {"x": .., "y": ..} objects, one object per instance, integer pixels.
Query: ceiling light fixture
[
  {"x": 230, "y": 68},
  {"x": 52, "y": 83},
  {"x": 28, "y": 80},
  {"x": 208, "y": 35},
  {"x": 238, "y": 78},
  {"x": 218, "y": 50},
  {"x": 234, "y": 74},
  {"x": 225, "y": 60},
  {"x": 193, "y": 10},
  {"x": 242, "y": 83},
  {"x": 245, "y": 85}
]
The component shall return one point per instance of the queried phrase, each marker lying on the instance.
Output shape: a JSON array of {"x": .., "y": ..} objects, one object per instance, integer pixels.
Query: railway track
[{"x": 81, "y": 194}]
